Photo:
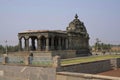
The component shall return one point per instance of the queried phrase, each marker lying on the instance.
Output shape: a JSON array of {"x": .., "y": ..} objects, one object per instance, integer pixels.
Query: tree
[
  {"x": 2, "y": 49},
  {"x": 9, "y": 49},
  {"x": 101, "y": 47},
  {"x": 97, "y": 45},
  {"x": 13, "y": 48}
]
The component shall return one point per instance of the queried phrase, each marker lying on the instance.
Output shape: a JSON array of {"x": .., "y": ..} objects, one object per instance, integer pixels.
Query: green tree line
[
  {"x": 9, "y": 48},
  {"x": 102, "y": 47}
]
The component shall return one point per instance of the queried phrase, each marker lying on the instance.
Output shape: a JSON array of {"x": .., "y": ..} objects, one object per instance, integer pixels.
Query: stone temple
[{"x": 73, "y": 42}]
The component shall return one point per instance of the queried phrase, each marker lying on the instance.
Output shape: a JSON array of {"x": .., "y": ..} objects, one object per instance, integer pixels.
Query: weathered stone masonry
[{"x": 74, "y": 38}]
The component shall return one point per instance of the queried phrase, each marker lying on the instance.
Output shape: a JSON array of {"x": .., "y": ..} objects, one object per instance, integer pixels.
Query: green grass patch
[
  {"x": 87, "y": 59},
  {"x": 38, "y": 63}
]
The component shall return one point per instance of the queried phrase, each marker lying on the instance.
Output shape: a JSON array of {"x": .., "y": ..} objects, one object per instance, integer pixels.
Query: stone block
[
  {"x": 27, "y": 60},
  {"x": 56, "y": 61}
]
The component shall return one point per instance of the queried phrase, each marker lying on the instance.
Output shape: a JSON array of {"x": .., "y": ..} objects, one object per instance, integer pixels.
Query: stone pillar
[
  {"x": 39, "y": 44},
  {"x": 20, "y": 45},
  {"x": 25, "y": 47},
  {"x": 62, "y": 43},
  {"x": 52, "y": 43},
  {"x": 70, "y": 43},
  {"x": 47, "y": 44},
  {"x": 66, "y": 43},
  {"x": 33, "y": 43},
  {"x": 59, "y": 43},
  {"x": 27, "y": 44}
]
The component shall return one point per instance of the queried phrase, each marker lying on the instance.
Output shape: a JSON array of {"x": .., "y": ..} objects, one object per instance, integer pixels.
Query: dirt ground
[{"x": 114, "y": 73}]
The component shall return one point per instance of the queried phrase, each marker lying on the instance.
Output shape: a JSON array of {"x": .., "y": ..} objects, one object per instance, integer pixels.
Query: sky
[{"x": 101, "y": 18}]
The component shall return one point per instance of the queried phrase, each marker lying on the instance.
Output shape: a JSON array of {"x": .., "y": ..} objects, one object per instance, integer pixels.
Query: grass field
[{"x": 87, "y": 59}]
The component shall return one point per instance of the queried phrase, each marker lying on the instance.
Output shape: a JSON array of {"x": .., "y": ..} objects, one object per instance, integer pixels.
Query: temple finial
[{"x": 76, "y": 16}]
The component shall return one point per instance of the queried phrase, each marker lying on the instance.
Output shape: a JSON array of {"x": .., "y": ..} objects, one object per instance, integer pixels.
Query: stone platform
[{"x": 64, "y": 54}]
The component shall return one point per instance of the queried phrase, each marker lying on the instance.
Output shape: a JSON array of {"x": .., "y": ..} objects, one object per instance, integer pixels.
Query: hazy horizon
[{"x": 101, "y": 18}]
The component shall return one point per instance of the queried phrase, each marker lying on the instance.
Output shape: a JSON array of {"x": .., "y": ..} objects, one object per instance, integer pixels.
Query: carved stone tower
[{"x": 78, "y": 36}]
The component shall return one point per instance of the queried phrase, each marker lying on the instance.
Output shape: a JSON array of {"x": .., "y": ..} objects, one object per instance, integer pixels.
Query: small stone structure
[{"x": 74, "y": 38}]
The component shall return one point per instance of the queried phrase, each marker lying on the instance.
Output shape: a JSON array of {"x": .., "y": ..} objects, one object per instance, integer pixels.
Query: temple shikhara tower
[{"x": 70, "y": 43}]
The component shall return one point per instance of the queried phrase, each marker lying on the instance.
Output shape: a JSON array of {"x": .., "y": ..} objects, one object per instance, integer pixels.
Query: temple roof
[
  {"x": 77, "y": 26},
  {"x": 76, "y": 16},
  {"x": 43, "y": 31},
  {"x": 76, "y": 20}
]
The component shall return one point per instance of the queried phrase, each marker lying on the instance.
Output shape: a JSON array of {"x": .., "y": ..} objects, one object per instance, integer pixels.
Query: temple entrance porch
[{"x": 42, "y": 42}]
